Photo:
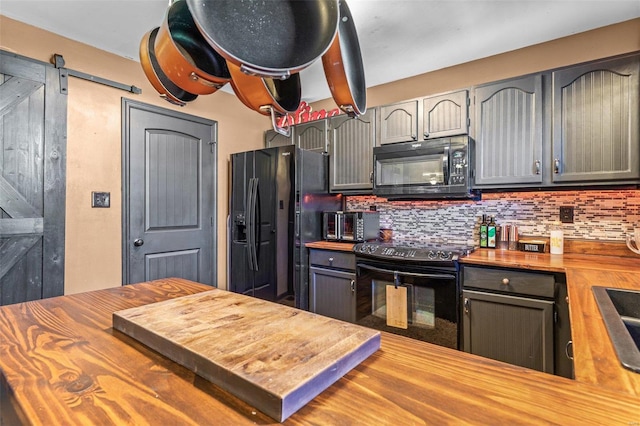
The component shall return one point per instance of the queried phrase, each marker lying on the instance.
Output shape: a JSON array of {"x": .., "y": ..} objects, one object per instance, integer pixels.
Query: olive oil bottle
[
  {"x": 491, "y": 233},
  {"x": 483, "y": 231}
]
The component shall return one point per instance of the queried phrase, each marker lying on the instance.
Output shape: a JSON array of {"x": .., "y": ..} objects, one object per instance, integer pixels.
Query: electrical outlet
[
  {"x": 566, "y": 214},
  {"x": 100, "y": 199}
]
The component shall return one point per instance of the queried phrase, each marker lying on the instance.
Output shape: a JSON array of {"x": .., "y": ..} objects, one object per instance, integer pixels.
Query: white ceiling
[{"x": 398, "y": 38}]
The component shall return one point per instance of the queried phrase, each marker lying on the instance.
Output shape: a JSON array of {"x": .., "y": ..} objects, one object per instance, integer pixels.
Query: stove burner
[{"x": 411, "y": 251}]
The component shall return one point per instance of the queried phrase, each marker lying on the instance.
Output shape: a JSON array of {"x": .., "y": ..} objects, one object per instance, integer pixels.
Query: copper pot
[
  {"x": 185, "y": 57},
  {"x": 268, "y": 96},
  {"x": 156, "y": 76},
  {"x": 343, "y": 67}
]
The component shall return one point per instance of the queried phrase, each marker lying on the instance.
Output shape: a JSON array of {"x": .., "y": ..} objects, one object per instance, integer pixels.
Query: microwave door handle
[
  {"x": 407, "y": 274},
  {"x": 445, "y": 166}
]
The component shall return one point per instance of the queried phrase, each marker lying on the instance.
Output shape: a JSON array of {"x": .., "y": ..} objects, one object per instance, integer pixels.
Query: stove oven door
[{"x": 413, "y": 302}]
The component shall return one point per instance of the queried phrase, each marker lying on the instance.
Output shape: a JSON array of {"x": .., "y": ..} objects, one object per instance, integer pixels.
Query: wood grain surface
[
  {"x": 272, "y": 356},
  {"x": 63, "y": 364},
  {"x": 594, "y": 357}
]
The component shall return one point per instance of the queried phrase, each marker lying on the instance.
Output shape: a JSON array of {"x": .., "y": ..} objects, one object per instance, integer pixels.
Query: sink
[{"x": 620, "y": 311}]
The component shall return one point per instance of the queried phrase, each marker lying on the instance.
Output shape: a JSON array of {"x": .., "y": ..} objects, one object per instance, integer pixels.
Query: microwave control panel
[{"x": 458, "y": 167}]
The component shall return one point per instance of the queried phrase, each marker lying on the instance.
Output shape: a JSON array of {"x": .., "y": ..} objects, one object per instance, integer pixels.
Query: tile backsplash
[{"x": 598, "y": 214}]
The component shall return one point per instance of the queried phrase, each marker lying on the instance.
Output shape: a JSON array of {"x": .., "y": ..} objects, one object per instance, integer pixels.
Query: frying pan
[
  {"x": 185, "y": 57},
  {"x": 343, "y": 67},
  {"x": 268, "y": 96},
  {"x": 156, "y": 76},
  {"x": 273, "y": 38}
]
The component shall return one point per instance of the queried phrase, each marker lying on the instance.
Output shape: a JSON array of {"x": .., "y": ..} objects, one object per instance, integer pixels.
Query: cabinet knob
[
  {"x": 331, "y": 260},
  {"x": 505, "y": 281},
  {"x": 138, "y": 242}
]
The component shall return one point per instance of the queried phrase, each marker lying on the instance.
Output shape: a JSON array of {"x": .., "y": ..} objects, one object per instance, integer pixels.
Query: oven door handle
[{"x": 408, "y": 274}]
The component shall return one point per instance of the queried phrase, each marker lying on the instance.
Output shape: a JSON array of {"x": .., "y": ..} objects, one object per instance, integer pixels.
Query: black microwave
[{"x": 431, "y": 169}]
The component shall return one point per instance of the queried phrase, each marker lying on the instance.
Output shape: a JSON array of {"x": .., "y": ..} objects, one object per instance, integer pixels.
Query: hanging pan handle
[{"x": 285, "y": 131}]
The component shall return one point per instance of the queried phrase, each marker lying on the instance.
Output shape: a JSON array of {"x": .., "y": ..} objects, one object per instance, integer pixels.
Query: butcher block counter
[
  {"x": 63, "y": 363},
  {"x": 594, "y": 357}
]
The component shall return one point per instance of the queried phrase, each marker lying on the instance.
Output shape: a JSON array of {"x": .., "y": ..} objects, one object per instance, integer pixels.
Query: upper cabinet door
[
  {"x": 273, "y": 138},
  {"x": 312, "y": 136},
  {"x": 508, "y": 132},
  {"x": 351, "y": 145},
  {"x": 399, "y": 122},
  {"x": 595, "y": 121},
  {"x": 446, "y": 115}
]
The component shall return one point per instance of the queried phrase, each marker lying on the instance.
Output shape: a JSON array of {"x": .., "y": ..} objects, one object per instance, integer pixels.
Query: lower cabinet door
[
  {"x": 516, "y": 330},
  {"x": 332, "y": 293}
]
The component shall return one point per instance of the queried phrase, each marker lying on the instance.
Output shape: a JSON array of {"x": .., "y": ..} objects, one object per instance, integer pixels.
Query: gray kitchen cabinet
[
  {"x": 508, "y": 132},
  {"x": 273, "y": 138},
  {"x": 351, "y": 142},
  {"x": 312, "y": 135},
  {"x": 596, "y": 121},
  {"x": 518, "y": 317},
  {"x": 446, "y": 114},
  {"x": 398, "y": 122},
  {"x": 332, "y": 284}
]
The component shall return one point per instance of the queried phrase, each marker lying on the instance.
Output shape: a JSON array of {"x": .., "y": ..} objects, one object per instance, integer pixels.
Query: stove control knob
[
  {"x": 432, "y": 254},
  {"x": 444, "y": 255}
]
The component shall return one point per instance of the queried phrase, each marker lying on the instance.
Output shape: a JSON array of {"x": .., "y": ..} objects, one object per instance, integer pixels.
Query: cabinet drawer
[
  {"x": 509, "y": 281},
  {"x": 332, "y": 259}
]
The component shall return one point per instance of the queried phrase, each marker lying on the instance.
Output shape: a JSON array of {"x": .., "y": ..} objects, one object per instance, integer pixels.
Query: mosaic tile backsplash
[{"x": 598, "y": 215}]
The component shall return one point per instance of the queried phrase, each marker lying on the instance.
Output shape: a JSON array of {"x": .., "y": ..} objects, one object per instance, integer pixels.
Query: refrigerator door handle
[
  {"x": 250, "y": 219},
  {"x": 257, "y": 214}
]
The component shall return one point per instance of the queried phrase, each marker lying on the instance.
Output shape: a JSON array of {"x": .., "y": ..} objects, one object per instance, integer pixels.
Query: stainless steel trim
[{"x": 407, "y": 274}]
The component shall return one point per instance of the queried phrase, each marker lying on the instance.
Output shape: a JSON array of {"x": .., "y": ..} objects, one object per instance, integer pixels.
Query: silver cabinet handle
[
  {"x": 353, "y": 286},
  {"x": 566, "y": 349},
  {"x": 556, "y": 166},
  {"x": 466, "y": 305},
  {"x": 537, "y": 167},
  {"x": 138, "y": 242}
]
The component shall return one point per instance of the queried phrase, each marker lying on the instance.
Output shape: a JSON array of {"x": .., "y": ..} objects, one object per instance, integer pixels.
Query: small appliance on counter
[{"x": 355, "y": 226}]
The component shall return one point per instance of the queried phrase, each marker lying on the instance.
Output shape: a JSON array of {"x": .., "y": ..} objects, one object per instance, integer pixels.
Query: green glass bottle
[
  {"x": 491, "y": 233},
  {"x": 483, "y": 231}
]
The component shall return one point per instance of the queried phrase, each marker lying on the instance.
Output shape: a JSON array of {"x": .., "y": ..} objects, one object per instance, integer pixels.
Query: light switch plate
[{"x": 100, "y": 199}]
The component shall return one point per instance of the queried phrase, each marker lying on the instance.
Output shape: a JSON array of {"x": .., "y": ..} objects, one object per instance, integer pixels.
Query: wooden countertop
[
  {"x": 63, "y": 363},
  {"x": 594, "y": 357},
  {"x": 330, "y": 245}
]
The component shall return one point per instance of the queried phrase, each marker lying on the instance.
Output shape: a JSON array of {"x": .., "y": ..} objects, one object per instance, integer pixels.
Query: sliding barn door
[{"x": 33, "y": 123}]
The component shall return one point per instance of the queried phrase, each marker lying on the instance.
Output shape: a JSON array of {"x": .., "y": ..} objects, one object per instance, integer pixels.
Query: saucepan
[
  {"x": 343, "y": 67},
  {"x": 158, "y": 79},
  {"x": 268, "y": 96},
  {"x": 184, "y": 55},
  {"x": 274, "y": 38}
]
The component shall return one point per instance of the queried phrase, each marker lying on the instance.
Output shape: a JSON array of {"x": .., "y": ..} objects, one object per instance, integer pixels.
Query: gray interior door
[
  {"x": 33, "y": 125},
  {"x": 170, "y": 191}
]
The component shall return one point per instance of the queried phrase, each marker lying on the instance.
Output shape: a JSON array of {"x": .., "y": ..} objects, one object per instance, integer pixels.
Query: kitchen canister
[
  {"x": 503, "y": 237},
  {"x": 556, "y": 243},
  {"x": 513, "y": 237}
]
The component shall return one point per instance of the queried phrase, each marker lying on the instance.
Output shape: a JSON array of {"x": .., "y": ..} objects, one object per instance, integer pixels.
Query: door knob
[{"x": 138, "y": 242}]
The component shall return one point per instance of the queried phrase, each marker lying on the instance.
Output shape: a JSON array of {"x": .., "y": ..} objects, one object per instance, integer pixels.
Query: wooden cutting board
[{"x": 273, "y": 357}]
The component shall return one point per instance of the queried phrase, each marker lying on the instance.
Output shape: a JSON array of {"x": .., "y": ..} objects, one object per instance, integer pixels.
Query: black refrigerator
[{"x": 276, "y": 204}]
